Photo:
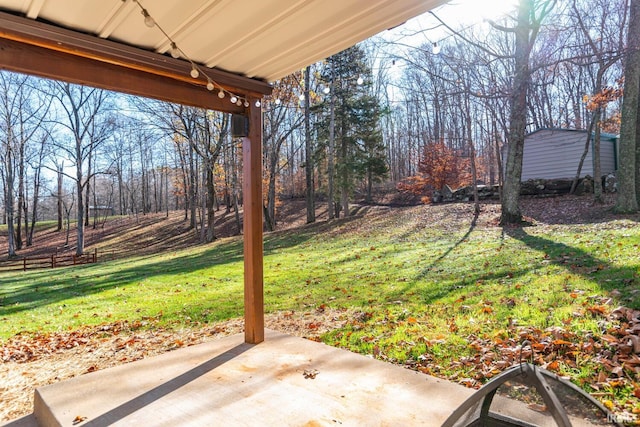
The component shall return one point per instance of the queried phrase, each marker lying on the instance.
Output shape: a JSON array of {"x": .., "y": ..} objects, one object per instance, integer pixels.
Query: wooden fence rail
[{"x": 52, "y": 261}]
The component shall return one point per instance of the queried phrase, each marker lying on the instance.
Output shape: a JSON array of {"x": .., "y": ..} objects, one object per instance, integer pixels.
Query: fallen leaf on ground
[
  {"x": 310, "y": 373},
  {"x": 78, "y": 419}
]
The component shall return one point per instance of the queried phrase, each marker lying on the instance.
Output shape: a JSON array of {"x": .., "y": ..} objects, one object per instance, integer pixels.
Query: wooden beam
[
  {"x": 74, "y": 43},
  {"x": 252, "y": 229},
  {"x": 29, "y": 59}
]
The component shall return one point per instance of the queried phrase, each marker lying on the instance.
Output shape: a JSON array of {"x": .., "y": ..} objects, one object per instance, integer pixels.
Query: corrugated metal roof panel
[{"x": 263, "y": 39}]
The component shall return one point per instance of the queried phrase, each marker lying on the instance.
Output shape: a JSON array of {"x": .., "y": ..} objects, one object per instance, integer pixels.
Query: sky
[
  {"x": 457, "y": 14},
  {"x": 470, "y": 11},
  {"x": 425, "y": 29}
]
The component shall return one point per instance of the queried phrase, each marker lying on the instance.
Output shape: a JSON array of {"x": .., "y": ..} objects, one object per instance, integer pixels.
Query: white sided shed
[{"x": 556, "y": 153}]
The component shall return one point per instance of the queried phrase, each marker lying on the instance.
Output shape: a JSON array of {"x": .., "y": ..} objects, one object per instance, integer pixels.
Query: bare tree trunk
[
  {"x": 36, "y": 195},
  {"x": 369, "y": 196},
  {"x": 627, "y": 199},
  {"x": 511, "y": 213},
  {"x": 597, "y": 168},
  {"x": 587, "y": 145},
  {"x": 202, "y": 207},
  {"x": 331, "y": 154},
  {"x": 308, "y": 154},
  {"x": 270, "y": 210},
  {"x": 67, "y": 211},
  {"x": 80, "y": 208},
  {"x": 21, "y": 197},
  {"x": 8, "y": 200},
  {"x": 344, "y": 178},
  {"x": 96, "y": 211},
  {"x": 237, "y": 212},
  {"x": 165, "y": 174},
  {"x": 25, "y": 212},
  {"x": 472, "y": 156},
  {"x": 192, "y": 188},
  {"x": 211, "y": 196},
  {"x": 235, "y": 167},
  {"x": 60, "y": 169},
  {"x": 185, "y": 182},
  {"x": 166, "y": 191},
  {"x": 498, "y": 158},
  {"x": 122, "y": 199},
  {"x": 157, "y": 198},
  {"x": 88, "y": 190}
]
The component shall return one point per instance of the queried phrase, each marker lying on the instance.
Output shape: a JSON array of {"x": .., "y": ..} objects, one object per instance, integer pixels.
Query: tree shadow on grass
[
  {"x": 623, "y": 279},
  {"x": 441, "y": 292},
  {"x": 460, "y": 241},
  {"x": 44, "y": 287},
  {"x": 609, "y": 277}
]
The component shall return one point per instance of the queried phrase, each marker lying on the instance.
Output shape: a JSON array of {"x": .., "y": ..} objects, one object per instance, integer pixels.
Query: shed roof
[{"x": 603, "y": 135}]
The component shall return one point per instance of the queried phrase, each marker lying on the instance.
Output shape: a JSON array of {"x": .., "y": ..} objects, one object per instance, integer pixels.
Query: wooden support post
[{"x": 252, "y": 227}]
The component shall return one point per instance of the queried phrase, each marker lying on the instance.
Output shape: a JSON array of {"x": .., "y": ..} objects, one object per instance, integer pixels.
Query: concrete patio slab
[{"x": 284, "y": 381}]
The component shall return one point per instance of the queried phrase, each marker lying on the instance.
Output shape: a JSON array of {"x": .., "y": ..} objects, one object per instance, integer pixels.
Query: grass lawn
[{"x": 437, "y": 295}]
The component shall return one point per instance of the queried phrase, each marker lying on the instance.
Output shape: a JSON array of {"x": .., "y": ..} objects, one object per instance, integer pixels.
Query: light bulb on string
[
  {"x": 326, "y": 90},
  {"x": 360, "y": 80},
  {"x": 194, "y": 71},
  {"x": 148, "y": 20},
  {"x": 175, "y": 52},
  {"x": 277, "y": 101},
  {"x": 436, "y": 49},
  {"x": 301, "y": 97},
  {"x": 258, "y": 104}
]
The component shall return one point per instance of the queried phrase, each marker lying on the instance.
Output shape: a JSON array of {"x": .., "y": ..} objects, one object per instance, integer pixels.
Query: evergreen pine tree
[{"x": 359, "y": 150}]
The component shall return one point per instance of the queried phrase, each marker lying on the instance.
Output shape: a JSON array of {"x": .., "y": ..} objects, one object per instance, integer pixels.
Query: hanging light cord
[{"x": 196, "y": 70}]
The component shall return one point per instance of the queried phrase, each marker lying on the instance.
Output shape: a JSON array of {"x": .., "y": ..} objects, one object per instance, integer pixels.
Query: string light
[
  {"x": 360, "y": 80},
  {"x": 148, "y": 20},
  {"x": 175, "y": 52},
  {"x": 196, "y": 70},
  {"x": 436, "y": 49}
]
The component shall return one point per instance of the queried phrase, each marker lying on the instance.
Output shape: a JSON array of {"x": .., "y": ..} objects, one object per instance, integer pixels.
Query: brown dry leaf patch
[{"x": 617, "y": 352}]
